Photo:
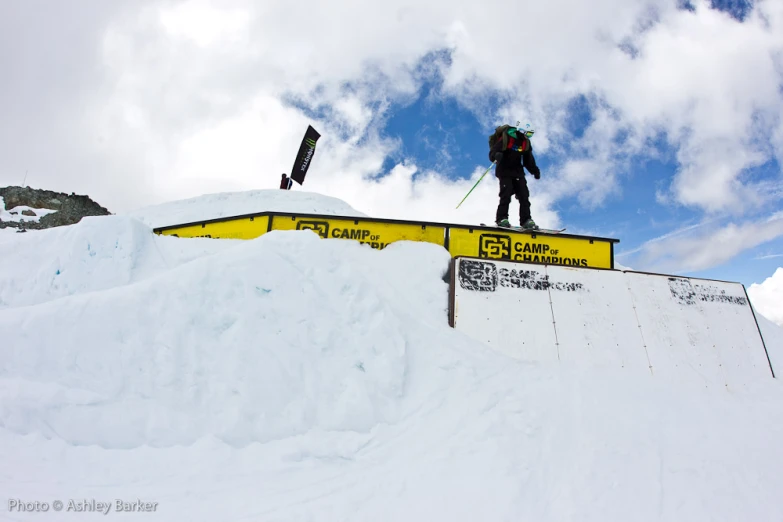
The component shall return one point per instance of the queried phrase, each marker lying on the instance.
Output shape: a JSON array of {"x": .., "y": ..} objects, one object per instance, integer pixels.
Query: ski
[{"x": 520, "y": 229}]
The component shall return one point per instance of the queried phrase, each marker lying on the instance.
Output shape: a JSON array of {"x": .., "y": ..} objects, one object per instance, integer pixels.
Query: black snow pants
[{"x": 516, "y": 186}]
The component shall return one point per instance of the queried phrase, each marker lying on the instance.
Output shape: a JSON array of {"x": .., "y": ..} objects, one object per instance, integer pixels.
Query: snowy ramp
[{"x": 700, "y": 331}]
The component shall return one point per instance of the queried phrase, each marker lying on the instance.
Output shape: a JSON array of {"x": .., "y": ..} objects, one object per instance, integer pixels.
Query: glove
[
  {"x": 537, "y": 174},
  {"x": 498, "y": 156}
]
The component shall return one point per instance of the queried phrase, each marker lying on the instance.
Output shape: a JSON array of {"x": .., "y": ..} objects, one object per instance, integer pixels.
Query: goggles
[{"x": 528, "y": 133}]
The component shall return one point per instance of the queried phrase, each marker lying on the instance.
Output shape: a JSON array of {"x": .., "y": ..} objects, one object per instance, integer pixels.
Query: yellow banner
[
  {"x": 377, "y": 234},
  {"x": 461, "y": 240},
  {"x": 242, "y": 228},
  {"x": 523, "y": 246}
]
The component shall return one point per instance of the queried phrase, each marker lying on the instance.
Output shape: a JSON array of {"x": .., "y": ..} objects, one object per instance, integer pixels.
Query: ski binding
[{"x": 520, "y": 229}]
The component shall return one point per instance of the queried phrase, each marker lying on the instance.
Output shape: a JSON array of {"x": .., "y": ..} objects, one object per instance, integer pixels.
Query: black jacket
[{"x": 510, "y": 166}]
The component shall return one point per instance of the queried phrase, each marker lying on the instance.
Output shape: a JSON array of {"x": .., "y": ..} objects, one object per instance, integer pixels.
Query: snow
[
  {"x": 99, "y": 253},
  {"x": 15, "y": 214},
  {"x": 768, "y": 297},
  {"x": 6, "y": 232},
  {"x": 294, "y": 378},
  {"x": 773, "y": 341},
  {"x": 156, "y": 377},
  {"x": 225, "y": 204}
]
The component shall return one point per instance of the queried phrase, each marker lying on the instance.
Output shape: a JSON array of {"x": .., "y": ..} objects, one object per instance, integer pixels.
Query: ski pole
[{"x": 474, "y": 186}]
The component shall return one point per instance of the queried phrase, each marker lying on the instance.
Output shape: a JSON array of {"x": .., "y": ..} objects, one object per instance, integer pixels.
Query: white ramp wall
[{"x": 648, "y": 324}]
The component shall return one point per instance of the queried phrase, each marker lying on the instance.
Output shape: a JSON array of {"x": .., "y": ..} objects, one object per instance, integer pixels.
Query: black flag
[{"x": 305, "y": 155}]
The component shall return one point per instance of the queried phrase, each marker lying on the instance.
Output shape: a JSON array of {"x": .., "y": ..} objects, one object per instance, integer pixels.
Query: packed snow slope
[
  {"x": 293, "y": 378},
  {"x": 98, "y": 253},
  {"x": 227, "y": 204}
]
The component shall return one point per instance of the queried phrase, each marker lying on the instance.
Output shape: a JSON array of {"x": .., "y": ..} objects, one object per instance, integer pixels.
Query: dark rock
[
  {"x": 28, "y": 213},
  {"x": 70, "y": 209}
]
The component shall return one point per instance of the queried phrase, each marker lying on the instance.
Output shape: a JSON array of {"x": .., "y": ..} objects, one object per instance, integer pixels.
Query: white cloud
[
  {"x": 701, "y": 246},
  {"x": 767, "y": 297},
  {"x": 709, "y": 88},
  {"x": 204, "y": 23}
]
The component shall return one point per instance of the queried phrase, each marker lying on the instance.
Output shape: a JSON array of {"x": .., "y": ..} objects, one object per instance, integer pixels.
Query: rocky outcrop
[{"x": 67, "y": 209}]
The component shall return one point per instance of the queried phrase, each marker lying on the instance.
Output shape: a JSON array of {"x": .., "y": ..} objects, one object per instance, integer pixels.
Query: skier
[{"x": 509, "y": 169}]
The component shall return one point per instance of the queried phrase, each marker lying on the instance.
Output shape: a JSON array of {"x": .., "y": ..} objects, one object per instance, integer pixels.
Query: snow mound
[
  {"x": 270, "y": 339},
  {"x": 95, "y": 254},
  {"x": 226, "y": 204},
  {"x": 296, "y": 378}
]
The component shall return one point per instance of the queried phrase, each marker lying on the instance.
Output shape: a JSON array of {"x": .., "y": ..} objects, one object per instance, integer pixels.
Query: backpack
[
  {"x": 503, "y": 131},
  {"x": 499, "y": 131}
]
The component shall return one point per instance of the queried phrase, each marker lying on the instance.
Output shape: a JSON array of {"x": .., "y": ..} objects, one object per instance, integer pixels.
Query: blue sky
[{"x": 658, "y": 122}]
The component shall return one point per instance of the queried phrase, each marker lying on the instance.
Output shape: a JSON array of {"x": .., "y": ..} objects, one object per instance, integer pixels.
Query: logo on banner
[
  {"x": 305, "y": 155},
  {"x": 308, "y": 155},
  {"x": 319, "y": 227},
  {"x": 494, "y": 246}
]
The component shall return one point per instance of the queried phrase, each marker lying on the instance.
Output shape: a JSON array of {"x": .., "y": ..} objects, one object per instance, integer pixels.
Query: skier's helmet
[{"x": 528, "y": 131}]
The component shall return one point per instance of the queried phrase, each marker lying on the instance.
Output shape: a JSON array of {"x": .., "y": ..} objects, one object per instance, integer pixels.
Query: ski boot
[{"x": 529, "y": 225}]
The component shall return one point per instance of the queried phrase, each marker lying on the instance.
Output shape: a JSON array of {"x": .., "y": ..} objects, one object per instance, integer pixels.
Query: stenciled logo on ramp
[
  {"x": 483, "y": 276},
  {"x": 686, "y": 292},
  {"x": 319, "y": 227},
  {"x": 478, "y": 276},
  {"x": 494, "y": 246},
  {"x": 533, "y": 280}
]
